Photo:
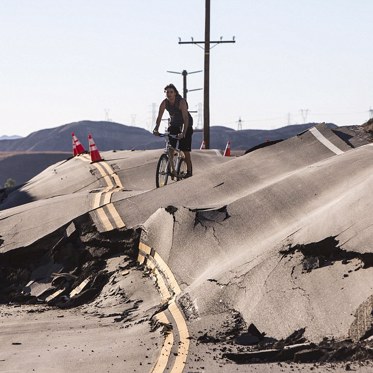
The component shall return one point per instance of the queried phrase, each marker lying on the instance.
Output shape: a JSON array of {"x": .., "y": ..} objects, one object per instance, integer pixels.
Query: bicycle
[{"x": 164, "y": 167}]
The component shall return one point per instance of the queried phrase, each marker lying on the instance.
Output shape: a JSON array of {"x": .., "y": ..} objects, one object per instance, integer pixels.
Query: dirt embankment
[{"x": 23, "y": 166}]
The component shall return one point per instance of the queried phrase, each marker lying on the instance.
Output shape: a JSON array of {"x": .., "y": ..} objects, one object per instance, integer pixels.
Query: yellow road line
[
  {"x": 84, "y": 157},
  {"x": 117, "y": 180},
  {"x": 107, "y": 197},
  {"x": 141, "y": 258},
  {"x": 167, "y": 272},
  {"x": 143, "y": 251},
  {"x": 183, "y": 347},
  {"x": 107, "y": 193},
  {"x": 80, "y": 287},
  {"x": 106, "y": 177},
  {"x": 116, "y": 217},
  {"x": 112, "y": 173},
  {"x": 104, "y": 219},
  {"x": 163, "y": 289},
  {"x": 97, "y": 198},
  {"x": 145, "y": 248},
  {"x": 54, "y": 295},
  {"x": 166, "y": 280},
  {"x": 161, "y": 364}
]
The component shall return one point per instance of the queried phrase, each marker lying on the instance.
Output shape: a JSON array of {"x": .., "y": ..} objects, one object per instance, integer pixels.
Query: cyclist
[{"x": 181, "y": 124}]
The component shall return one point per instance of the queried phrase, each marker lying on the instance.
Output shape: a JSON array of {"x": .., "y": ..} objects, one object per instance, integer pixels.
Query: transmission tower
[
  {"x": 107, "y": 115},
  {"x": 239, "y": 124},
  {"x": 206, "y": 86},
  {"x": 304, "y": 113},
  {"x": 154, "y": 113}
]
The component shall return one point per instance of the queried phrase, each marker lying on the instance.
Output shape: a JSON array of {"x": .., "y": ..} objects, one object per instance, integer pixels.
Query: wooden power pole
[{"x": 206, "y": 96}]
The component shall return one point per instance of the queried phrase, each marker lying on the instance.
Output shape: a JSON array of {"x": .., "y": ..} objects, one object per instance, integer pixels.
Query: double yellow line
[
  {"x": 167, "y": 283},
  {"x": 105, "y": 209},
  {"x": 169, "y": 289}
]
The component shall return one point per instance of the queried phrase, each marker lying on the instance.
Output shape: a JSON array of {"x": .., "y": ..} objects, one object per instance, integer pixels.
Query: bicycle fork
[{"x": 171, "y": 160}]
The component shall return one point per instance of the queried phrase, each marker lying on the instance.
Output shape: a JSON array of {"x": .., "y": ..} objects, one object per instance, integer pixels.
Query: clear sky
[{"x": 293, "y": 61}]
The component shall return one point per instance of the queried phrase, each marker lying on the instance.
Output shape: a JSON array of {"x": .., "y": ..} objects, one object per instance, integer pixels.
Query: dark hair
[{"x": 171, "y": 86}]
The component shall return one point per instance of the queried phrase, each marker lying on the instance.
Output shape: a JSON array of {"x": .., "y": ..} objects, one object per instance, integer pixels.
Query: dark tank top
[{"x": 176, "y": 114}]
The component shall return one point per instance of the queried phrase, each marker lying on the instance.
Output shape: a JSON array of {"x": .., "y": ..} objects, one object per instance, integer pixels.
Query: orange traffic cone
[
  {"x": 203, "y": 145},
  {"x": 227, "y": 151},
  {"x": 95, "y": 155},
  {"x": 77, "y": 146},
  {"x": 74, "y": 149}
]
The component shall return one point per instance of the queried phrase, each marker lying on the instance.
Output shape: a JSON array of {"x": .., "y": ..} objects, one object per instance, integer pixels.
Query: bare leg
[
  {"x": 172, "y": 165},
  {"x": 188, "y": 161}
]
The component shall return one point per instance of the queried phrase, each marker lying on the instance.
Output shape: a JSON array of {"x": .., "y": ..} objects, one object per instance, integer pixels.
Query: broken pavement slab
[
  {"x": 362, "y": 326},
  {"x": 228, "y": 261}
]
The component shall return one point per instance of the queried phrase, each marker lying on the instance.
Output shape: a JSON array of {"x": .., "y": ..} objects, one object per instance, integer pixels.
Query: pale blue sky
[{"x": 69, "y": 60}]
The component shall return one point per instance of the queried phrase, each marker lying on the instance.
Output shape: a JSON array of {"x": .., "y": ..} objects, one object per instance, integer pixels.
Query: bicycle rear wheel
[
  {"x": 163, "y": 170},
  {"x": 181, "y": 169}
]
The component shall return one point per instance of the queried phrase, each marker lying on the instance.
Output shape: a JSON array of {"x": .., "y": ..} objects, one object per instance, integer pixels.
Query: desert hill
[
  {"x": 116, "y": 136},
  {"x": 23, "y": 158},
  {"x": 108, "y": 135},
  {"x": 22, "y": 166}
]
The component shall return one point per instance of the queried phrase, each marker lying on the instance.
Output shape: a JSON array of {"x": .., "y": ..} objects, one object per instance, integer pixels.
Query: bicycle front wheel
[
  {"x": 181, "y": 169},
  {"x": 163, "y": 170}
]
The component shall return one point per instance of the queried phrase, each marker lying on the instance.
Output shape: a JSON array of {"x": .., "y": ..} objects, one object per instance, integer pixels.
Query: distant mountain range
[
  {"x": 10, "y": 137},
  {"x": 23, "y": 158},
  {"x": 116, "y": 136}
]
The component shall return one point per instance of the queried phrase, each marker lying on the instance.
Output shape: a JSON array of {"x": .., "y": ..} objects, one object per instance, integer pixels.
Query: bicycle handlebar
[{"x": 168, "y": 134}]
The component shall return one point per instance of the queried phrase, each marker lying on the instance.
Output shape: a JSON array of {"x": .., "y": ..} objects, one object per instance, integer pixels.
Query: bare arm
[
  {"x": 184, "y": 111},
  {"x": 162, "y": 108}
]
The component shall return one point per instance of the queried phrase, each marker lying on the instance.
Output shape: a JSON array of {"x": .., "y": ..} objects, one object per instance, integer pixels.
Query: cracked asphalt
[{"x": 268, "y": 257}]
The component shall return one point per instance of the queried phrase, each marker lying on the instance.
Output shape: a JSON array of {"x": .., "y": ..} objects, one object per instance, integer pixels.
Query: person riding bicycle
[{"x": 181, "y": 124}]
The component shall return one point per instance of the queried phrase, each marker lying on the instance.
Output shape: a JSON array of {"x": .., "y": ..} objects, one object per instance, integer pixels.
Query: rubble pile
[
  {"x": 325, "y": 253},
  {"x": 257, "y": 348},
  {"x": 66, "y": 268}
]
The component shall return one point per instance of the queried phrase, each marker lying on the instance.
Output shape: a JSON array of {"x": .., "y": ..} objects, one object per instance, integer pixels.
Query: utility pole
[
  {"x": 185, "y": 73},
  {"x": 370, "y": 113},
  {"x": 206, "y": 43},
  {"x": 206, "y": 80}
]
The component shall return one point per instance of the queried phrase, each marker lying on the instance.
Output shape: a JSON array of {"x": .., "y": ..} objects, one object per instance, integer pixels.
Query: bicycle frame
[
  {"x": 170, "y": 169},
  {"x": 169, "y": 148}
]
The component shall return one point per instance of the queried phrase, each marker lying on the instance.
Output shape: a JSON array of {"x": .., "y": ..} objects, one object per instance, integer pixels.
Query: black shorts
[{"x": 185, "y": 144}]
